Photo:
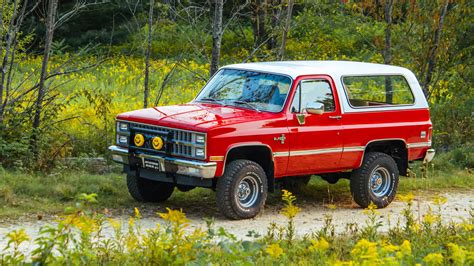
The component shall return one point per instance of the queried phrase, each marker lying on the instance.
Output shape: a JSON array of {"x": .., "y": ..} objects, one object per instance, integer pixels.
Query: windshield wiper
[
  {"x": 207, "y": 100},
  {"x": 211, "y": 100},
  {"x": 246, "y": 104}
]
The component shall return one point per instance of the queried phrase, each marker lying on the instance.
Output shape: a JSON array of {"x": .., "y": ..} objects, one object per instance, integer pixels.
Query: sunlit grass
[{"x": 26, "y": 194}]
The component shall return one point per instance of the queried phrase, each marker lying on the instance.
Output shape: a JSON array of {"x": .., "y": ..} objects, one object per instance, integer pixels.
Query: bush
[{"x": 77, "y": 239}]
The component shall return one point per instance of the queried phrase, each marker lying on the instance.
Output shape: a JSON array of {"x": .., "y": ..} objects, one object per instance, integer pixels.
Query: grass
[
  {"x": 31, "y": 195},
  {"x": 79, "y": 238}
]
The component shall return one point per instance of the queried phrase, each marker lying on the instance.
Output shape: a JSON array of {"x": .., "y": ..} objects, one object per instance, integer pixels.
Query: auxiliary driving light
[
  {"x": 157, "y": 143},
  {"x": 139, "y": 140}
]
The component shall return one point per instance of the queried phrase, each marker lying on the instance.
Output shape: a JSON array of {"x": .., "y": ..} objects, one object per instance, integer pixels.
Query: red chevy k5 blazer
[{"x": 258, "y": 124}]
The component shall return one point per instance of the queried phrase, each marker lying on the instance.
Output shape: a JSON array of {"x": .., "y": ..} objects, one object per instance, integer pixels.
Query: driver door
[{"x": 315, "y": 139}]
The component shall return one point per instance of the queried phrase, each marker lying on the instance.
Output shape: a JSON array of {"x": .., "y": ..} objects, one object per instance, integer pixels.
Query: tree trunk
[
  {"x": 289, "y": 10},
  {"x": 50, "y": 25},
  {"x": 9, "y": 37},
  {"x": 147, "y": 56},
  {"x": 259, "y": 22},
  {"x": 216, "y": 36},
  {"x": 275, "y": 22},
  {"x": 434, "y": 49},
  {"x": 388, "y": 49}
]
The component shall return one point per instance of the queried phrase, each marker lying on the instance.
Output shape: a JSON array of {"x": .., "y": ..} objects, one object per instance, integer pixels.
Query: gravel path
[{"x": 310, "y": 219}]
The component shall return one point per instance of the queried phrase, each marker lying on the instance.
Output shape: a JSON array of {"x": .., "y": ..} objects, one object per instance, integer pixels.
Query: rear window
[{"x": 373, "y": 91}]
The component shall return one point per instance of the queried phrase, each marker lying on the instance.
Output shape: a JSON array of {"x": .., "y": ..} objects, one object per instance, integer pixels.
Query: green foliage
[
  {"x": 77, "y": 239},
  {"x": 81, "y": 106}
]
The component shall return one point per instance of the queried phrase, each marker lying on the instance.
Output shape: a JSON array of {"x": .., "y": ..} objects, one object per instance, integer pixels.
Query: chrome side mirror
[{"x": 315, "y": 108}]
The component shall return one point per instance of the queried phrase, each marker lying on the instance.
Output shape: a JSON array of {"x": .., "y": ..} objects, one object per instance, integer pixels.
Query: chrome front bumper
[
  {"x": 169, "y": 164},
  {"x": 430, "y": 153}
]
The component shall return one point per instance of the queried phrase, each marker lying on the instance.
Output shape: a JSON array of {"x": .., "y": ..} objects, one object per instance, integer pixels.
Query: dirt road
[{"x": 310, "y": 219}]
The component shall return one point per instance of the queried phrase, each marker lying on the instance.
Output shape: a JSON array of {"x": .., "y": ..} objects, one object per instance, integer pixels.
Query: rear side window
[{"x": 367, "y": 91}]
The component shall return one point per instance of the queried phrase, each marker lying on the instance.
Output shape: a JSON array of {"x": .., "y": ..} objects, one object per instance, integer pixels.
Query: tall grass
[{"x": 78, "y": 239}]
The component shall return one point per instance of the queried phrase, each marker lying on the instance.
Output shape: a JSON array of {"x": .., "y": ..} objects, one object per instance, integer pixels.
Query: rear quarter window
[{"x": 377, "y": 90}]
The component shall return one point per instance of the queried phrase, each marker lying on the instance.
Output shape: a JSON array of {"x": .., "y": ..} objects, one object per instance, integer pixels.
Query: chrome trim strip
[
  {"x": 180, "y": 166},
  {"x": 354, "y": 149},
  {"x": 314, "y": 152},
  {"x": 281, "y": 154},
  {"x": 419, "y": 145}
]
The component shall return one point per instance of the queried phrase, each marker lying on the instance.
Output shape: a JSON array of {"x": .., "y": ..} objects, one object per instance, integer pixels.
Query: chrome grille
[{"x": 182, "y": 142}]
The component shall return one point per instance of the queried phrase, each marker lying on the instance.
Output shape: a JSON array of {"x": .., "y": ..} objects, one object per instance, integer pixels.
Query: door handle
[{"x": 337, "y": 117}]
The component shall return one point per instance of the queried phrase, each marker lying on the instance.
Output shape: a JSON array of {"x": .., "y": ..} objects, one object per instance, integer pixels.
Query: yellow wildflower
[
  {"x": 440, "y": 200},
  {"x": 371, "y": 209},
  {"x": 274, "y": 250},
  {"x": 319, "y": 245},
  {"x": 365, "y": 249},
  {"x": 176, "y": 217},
  {"x": 408, "y": 198},
  {"x": 405, "y": 250},
  {"x": 116, "y": 225},
  {"x": 456, "y": 253},
  {"x": 137, "y": 213},
  {"x": 17, "y": 237},
  {"x": 434, "y": 259}
]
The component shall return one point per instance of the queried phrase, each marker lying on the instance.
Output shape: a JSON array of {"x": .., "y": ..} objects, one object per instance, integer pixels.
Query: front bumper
[
  {"x": 430, "y": 153},
  {"x": 169, "y": 164}
]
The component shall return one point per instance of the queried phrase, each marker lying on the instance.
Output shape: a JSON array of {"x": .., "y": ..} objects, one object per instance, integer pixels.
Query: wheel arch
[
  {"x": 396, "y": 148},
  {"x": 257, "y": 152}
]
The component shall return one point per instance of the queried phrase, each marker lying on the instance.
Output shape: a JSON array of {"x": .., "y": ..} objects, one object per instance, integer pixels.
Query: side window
[
  {"x": 313, "y": 91},
  {"x": 388, "y": 90}
]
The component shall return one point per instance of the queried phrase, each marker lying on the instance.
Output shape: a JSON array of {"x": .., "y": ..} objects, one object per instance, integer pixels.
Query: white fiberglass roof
[
  {"x": 338, "y": 69},
  {"x": 335, "y": 68}
]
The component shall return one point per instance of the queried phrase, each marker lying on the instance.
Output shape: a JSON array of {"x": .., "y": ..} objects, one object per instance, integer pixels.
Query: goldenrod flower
[{"x": 274, "y": 250}]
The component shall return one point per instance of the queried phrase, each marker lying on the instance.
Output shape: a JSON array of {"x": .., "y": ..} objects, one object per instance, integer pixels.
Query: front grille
[{"x": 183, "y": 142}]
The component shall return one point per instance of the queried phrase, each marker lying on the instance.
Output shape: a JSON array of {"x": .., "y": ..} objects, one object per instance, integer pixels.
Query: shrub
[{"x": 77, "y": 238}]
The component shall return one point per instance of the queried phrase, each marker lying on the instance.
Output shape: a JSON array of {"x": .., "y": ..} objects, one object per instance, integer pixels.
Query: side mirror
[{"x": 315, "y": 108}]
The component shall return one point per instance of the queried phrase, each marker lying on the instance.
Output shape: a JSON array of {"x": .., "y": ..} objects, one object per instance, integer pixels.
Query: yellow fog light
[
  {"x": 157, "y": 143},
  {"x": 139, "y": 140}
]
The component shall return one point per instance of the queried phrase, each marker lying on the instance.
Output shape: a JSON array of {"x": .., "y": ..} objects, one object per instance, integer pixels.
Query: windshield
[{"x": 247, "y": 89}]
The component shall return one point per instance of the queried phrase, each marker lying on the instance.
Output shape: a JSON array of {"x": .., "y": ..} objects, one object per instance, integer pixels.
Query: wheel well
[
  {"x": 395, "y": 148},
  {"x": 259, "y": 154}
]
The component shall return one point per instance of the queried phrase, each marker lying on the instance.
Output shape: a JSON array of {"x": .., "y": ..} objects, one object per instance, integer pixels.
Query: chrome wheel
[
  {"x": 380, "y": 182},
  {"x": 247, "y": 191}
]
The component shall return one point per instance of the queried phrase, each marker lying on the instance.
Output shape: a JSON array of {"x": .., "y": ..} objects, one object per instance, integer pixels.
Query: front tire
[
  {"x": 242, "y": 190},
  {"x": 145, "y": 190},
  {"x": 375, "y": 181}
]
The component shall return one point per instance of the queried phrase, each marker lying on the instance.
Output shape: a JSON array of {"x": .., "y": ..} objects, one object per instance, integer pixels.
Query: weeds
[{"x": 78, "y": 238}]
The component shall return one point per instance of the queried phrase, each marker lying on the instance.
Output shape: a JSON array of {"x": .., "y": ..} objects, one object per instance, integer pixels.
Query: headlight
[
  {"x": 122, "y": 140},
  {"x": 199, "y": 152},
  {"x": 200, "y": 139},
  {"x": 122, "y": 127}
]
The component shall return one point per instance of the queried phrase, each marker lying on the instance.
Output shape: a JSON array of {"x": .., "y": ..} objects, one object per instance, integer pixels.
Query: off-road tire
[
  {"x": 361, "y": 180},
  {"x": 228, "y": 200},
  {"x": 145, "y": 190}
]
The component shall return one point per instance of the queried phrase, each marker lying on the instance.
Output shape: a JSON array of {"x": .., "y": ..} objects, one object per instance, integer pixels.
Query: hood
[{"x": 194, "y": 116}]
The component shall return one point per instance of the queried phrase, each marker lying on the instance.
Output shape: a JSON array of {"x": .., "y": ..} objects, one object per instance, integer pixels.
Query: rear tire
[
  {"x": 145, "y": 190},
  {"x": 242, "y": 190},
  {"x": 375, "y": 181}
]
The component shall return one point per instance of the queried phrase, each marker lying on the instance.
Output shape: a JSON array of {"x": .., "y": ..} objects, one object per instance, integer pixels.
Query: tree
[
  {"x": 48, "y": 39},
  {"x": 217, "y": 32},
  {"x": 434, "y": 49},
  {"x": 388, "y": 48},
  {"x": 147, "y": 55},
  {"x": 289, "y": 11}
]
